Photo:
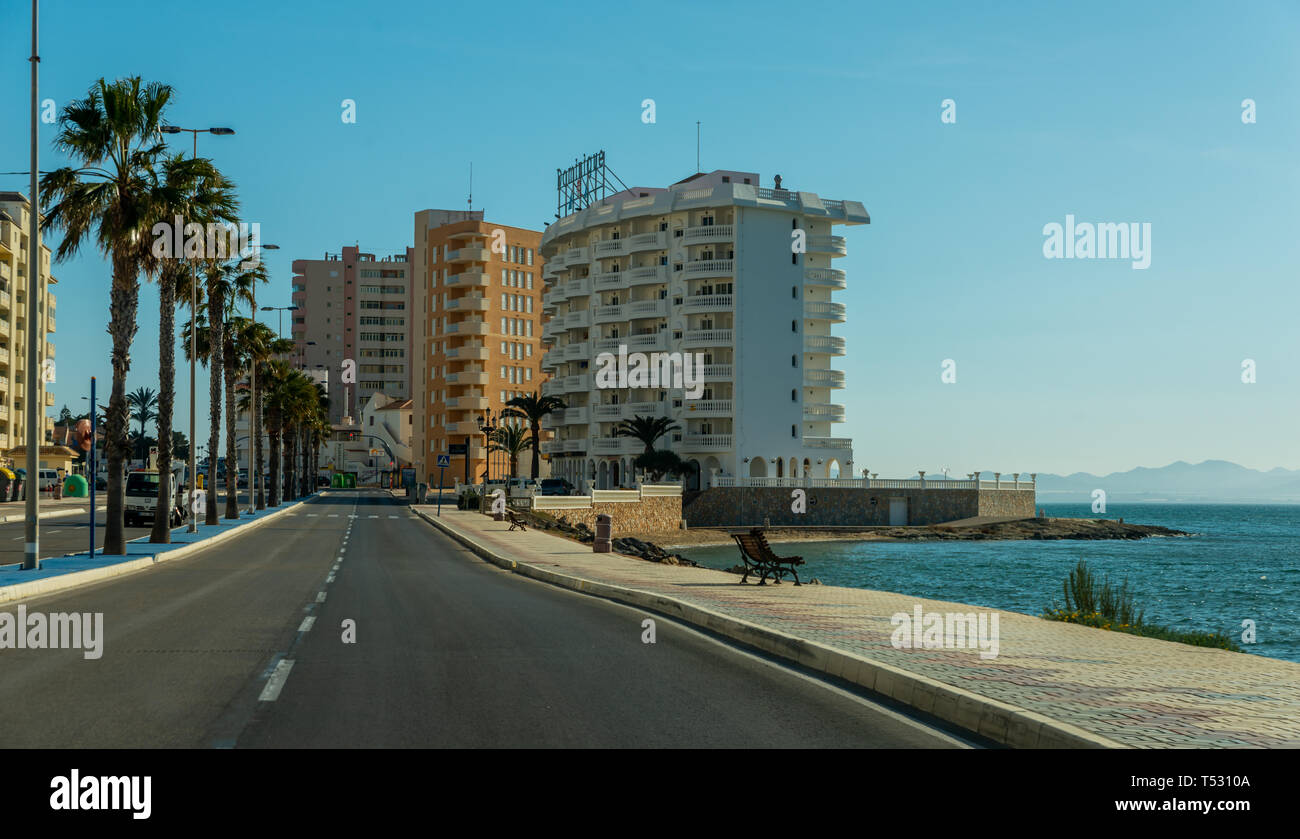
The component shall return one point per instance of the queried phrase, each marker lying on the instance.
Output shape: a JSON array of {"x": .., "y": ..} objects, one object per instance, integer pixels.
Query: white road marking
[
  {"x": 313, "y": 515},
  {"x": 271, "y": 692},
  {"x": 330, "y": 578},
  {"x": 392, "y": 517},
  {"x": 334, "y": 515},
  {"x": 306, "y": 624},
  {"x": 372, "y": 517},
  {"x": 320, "y": 597}
]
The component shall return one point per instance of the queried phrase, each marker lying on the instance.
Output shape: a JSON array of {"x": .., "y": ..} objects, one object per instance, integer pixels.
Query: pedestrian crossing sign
[{"x": 444, "y": 460}]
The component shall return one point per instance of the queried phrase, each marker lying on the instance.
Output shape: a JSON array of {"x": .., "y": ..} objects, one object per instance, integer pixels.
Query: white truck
[{"x": 142, "y": 496}]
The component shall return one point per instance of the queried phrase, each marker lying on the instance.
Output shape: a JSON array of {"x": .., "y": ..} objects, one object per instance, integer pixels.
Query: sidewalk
[
  {"x": 1052, "y": 684},
  {"x": 65, "y": 572}
]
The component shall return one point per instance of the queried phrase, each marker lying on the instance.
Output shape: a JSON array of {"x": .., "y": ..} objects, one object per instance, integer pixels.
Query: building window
[
  {"x": 794, "y": 326},
  {"x": 794, "y": 361},
  {"x": 794, "y": 431},
  {"x": 794, "y": 394}
]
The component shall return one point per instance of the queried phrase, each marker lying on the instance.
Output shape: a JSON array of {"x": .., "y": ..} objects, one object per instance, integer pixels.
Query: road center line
[{"x": 306, "y": 624}]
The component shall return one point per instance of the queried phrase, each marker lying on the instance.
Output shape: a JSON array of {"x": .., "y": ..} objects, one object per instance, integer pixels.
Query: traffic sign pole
[{"x": 444, "y": 460}]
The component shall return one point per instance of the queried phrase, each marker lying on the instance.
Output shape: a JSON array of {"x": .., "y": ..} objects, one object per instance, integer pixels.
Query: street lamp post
[
  {"x": 34, "y": 407},
  {"x": 194, "y": 312},
  {"x": 486, "y": 426},
  {"x": 279, "y": 333}
]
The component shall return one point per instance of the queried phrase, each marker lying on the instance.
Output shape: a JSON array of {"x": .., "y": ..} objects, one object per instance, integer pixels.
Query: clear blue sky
[{"x": 1115, "y": 112}]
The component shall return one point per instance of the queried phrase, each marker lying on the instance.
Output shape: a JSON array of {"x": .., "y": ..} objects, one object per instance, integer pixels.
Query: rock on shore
[{"x": 1038, "y": 528}]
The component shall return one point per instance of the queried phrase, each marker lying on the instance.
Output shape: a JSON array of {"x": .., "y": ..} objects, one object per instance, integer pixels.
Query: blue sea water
[{"x": 1242, "y": 562}]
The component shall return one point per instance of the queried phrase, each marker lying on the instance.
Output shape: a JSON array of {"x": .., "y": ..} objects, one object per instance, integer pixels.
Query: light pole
[
  {"x": 279, "y": 333},
  {"x": 254, "y": 415},
  {"x": 485, "y": 425},
  {"x": 194, "y": 316},
  {"x": 32, "y": 531}
]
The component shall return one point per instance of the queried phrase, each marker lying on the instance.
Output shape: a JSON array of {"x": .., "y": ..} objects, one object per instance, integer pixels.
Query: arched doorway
[
  {"x": 833, "y": 468},
  {"x": 694, "y": 478},
  {"x": 807, "y": 468},
  {"x": 602, "y": 475},
  {"x": 614, "y": 472},
  {"x": 757, "y": 467},
  {"x": 780, "y": 468}
]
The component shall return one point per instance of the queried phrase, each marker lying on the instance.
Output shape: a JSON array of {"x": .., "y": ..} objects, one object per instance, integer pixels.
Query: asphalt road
[{"x": 449, "y": 651}]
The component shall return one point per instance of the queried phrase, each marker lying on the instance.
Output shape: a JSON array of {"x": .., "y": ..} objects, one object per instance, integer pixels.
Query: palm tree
[
  {"x": 142, "y": 401},
  {"x": 194, "y": 191},
  {"x": 259, "y": 345},
  {"x": 273, "y": 381},
  {"x": 645, "y": 429},
  {"x": 113, "y": 134},
  {"x": 513, "y": 440},
  {"x": 533, "y": 408}
]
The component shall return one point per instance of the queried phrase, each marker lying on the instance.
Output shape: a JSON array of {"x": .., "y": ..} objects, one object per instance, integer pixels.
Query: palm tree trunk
[
  {"x": 232, "y": 454},
  {"x": 289, "y": 450},
  {"x": 306, "y": 450},
  {"x": 257, "y": 450},
  {"x": 124, "y": 300},
  {"x": 536, "y": 429},
  {"x": 215, "y": 304},
  {"x": 162, "y": 512},
  {"x": 274, "y": 466}
]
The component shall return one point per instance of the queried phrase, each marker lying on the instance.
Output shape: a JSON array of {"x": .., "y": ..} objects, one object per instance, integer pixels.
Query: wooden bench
[
  {"x": 516, "y": 521},
  {"x": 760, "y": 559}
]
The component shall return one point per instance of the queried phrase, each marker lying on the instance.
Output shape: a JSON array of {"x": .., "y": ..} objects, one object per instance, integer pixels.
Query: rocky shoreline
[{"x": 659, "y": 547}]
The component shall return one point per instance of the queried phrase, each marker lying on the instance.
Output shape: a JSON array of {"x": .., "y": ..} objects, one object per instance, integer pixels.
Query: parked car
[
  {"x": 142, "y": 497},
  {"x": 555, "y": 486},
  {"x": 49, "y": 479}
]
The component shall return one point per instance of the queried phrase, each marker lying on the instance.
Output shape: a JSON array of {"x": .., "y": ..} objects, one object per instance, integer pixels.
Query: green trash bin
[{"x": 75, "y": 486}]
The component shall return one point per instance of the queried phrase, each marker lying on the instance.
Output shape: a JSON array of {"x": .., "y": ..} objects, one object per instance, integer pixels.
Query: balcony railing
[
  {"x": 706, "y": 408},
  {"x": 608, "y": 314},
  {"x": 647, "y": 275},
  {"x": 710, "y": 233},
  {"x": 469, "y": 303},
  {"x": 473, "y": 326},
  {"x": 580, "y": 287},
  {"x": 609, "y": 280},
  {"x": 581, "y": 319},
  {"x": 468, "y": 278},
  {"x": 817, "y": 310},
  {"x": 706, "y": 442},
  {"x": 647, "y": 241},
  {"x": 830, "y": 277},
  {"x": 707, "y": 338},
  {"x": 646, "y": 309},
  {"x": 823, "y": 412},
  {"x": 708, "y": 303},
  {"x": 828, "y": 442},
  {"x": 575, "y": 416},
  {"x": 607, "y": 413},
  {"x": 716, "y": 372},
  {"x": 710, "y": 268},
  {"x": 469, "y": 255},
  {"x": 823, "y": 378},
  {"x": 576, "y": 256},
  {"x": 823, "y": 344},
  {"x": 468, "y": 377},
  {"x": 610, "y": 247},
  {"x": 834, "y": 245}
]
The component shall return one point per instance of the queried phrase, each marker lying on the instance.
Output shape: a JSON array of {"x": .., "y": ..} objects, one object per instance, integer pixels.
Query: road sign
[
  {"x": 444, "y": 460},
  {"x": 457, "y": 448}
]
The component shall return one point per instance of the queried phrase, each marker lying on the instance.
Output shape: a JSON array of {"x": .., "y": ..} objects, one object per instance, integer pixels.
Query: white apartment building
[{"x": 716, "y": 266}]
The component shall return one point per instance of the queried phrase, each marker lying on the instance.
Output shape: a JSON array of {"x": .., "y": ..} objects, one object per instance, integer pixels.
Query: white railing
[
  {"x": 827, "y": 244},
  {"x": 607, "y": 413},
  {"x": 708, "y": 337},
  {"x": 646, "y": 308},
  {"x": 823, "y": 411},
  {"x": 607, "y": 314},
  {"x": 707, "y": 267},
  {"x": 869, "y": 483},
  {"x": 713, "y": 407},
  {"x": 707, "y": 302},
  {"x": 818, "y": 310},
  {"x": 646, "y": 241},
  {"x": 717, "y": 371},
  {"x": 647, "y": 274},
  {"x": 831, "y": 344},
  {"x": 823, "y": 378},
  {"x": 709, "y": 232},
  {"x": 833, "y": 277},
  {"x": 709, "y": 442},
  {"x": 611, "y": 247},
  {"x": 828, "y": 442}
]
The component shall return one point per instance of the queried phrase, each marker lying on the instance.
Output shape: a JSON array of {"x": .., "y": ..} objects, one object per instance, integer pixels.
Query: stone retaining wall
[{"x": 749, "y": 506}]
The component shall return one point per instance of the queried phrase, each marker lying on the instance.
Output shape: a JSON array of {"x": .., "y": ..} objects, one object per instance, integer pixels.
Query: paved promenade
[{"x": 1051, "y": 685}]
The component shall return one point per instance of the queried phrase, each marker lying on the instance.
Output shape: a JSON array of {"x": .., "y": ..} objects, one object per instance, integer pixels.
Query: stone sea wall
[{"x": 750, "y": 506}]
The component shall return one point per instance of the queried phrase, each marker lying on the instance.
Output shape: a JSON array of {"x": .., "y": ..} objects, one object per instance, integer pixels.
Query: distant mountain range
[{"x": 1207, "y": 482}]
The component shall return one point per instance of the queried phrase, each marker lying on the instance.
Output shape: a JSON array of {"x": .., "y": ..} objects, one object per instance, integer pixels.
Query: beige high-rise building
[
  {"x": 15, "y": 270},
  {"x": 353, "y": 327},
  {"x": 479, "y": 297}
]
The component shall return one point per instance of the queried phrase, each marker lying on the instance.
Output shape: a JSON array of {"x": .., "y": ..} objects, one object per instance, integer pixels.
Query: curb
[
  {"x": 72, "y": 511},
  {"x": 989, "y": 718},
  {"x": 75, "y": 579}
]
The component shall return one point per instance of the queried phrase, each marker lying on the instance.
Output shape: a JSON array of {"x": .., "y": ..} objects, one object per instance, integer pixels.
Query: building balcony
[
  {"x": 607, "y": 413},
  {"x": 609, "y": 247},
  {"x": 469, "y": 303},
  {"x": 579, "y": 287},
  {"x": 473, "y": 326},
  {"x": 634, "y": 343},
  {"x": 577, "y": 445},
  {"x": 550, "y": 358},
  {"x": 552, "y": 447},
  {"x": 647, "y": 275},
  {"x": 50, "y": 323},
  {"x": 710, "y": 268},
  {"x": 706, "y": 408},
  {"x": 833, "y": 245},
  {"x": 555, "y": 295},
  {"x": 553, "y": 388},
  {"x": 578, "y": 384},
  {"x": 693, "y": 442},
  {"x": 655, "y": 241},
  {"x": 823, "y": 344},
  {"x": 816, "y": 310},
  {"x": 575, "y": 416},
  {"x": 468, "y": 279},
  {"x": 707, "y": 338},
  {"x": 609, "y": 281},
  {"x": 823, "y": 378},
  {"x": 471, "y": 254},
  {"x": 709, "y": 233},
  {"x": 469, "y": 377},
  {"x": 4, "y": 412},
  {"x": 4, "y": 300},
  {"x": 615, "y": 445},
  {"x": 580, "y": 319},
  {"x": 463, "y": 428},
  {"x": 718, "y": 372},
  {"x": 49, "y": 350},
  {"x": 576, "y": 256},
  {"x": 476, "y": 352},
  {"x": 644, "y": 409},
  {"x": 828, "y": 442},
  {"x": 467, "y": 403},
  {"x": 828, "y": 277},
  {"x": 708, "y": 303},
  {"x": 4, "y": 329},
  {"x": 576, "y": 351},
  {"x": 608, "y": 314},
  {"x": 646, "y": 309},
  {"x": 823, "y": 412}
]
